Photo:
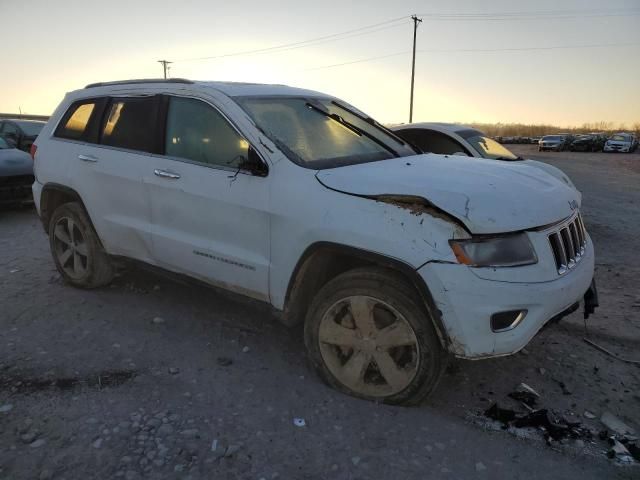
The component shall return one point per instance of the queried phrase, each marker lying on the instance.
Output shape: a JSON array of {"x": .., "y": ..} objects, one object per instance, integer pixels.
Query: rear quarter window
[{"x": 77, "y": 121}]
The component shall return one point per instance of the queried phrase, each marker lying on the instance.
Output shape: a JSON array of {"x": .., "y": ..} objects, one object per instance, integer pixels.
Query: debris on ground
[
  {"x": 503, "y": 415},
  {"x": 634, "y": 450},
  {"x": 245, "y": 349},
  {"x": 158, "y": 320},
  {"x": 563, "y": 386},
  {"x": 616, "y": 425},
  {"x": 224, "y": 361},
  {"x": 556, "y": 429},
  {"x": 619, "y": 452},
  {"x": 174, "y": 370},
  {"x": 299, "y": 422},
  {"x": 611, "y": 354},
  {"x": 525, "y": 394}
]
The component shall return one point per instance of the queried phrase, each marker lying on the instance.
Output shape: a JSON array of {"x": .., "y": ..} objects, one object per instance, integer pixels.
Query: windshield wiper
[
  {"x": 371, "y": 122},
  {"x": 354, "y": 128}
]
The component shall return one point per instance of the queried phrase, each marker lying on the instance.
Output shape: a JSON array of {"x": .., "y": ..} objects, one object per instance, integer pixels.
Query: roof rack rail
[{"x": 140, "y": 80}]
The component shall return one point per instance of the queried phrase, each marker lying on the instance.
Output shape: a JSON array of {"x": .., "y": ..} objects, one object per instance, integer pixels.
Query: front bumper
[
  {"x": 466, "y": 303},
  {"x": 581, "y": 147},
  {"x": 16, "y": 189},
  {"x": 616, "y": 148}
]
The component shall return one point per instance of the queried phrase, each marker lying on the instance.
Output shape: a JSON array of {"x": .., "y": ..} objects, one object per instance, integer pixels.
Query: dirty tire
[
  {"x": 399, "y": 318},
  {"x": 76, "y": 250}
]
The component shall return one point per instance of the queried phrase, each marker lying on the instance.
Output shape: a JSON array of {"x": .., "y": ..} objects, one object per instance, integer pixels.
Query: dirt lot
[{"x": 153, "y": 378}]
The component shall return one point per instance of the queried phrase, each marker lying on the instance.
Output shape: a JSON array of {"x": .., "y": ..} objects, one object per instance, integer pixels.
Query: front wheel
[
  {"x": 76, "y": 250},
  {"x": 368, "y": 334}
]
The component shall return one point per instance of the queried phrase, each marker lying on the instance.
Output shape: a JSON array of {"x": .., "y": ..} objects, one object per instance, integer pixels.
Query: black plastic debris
[
  {"x": 224, "y": 361},
  {"x": 634, "y": 450},
  {"x": 563, "y": 386},
  {"x": 525, "y": 394},
  {"x": 503, "y": 415},
  {"x": 554, "y": 427}
]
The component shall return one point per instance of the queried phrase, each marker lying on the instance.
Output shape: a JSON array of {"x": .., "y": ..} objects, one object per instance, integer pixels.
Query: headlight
[{"x": 504, "y": 251}]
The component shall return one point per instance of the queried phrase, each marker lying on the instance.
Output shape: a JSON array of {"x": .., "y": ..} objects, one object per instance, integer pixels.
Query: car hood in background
[
  {"x": 15, "y": 162},
  {"x": 487, "y": 196}
]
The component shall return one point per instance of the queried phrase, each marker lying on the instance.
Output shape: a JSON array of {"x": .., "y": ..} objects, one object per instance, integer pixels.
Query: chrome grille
[{"x": 568, "y": 244}]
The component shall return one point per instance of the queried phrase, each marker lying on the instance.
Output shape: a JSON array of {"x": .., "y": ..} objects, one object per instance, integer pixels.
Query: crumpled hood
[{"x": 487, "y": 196}]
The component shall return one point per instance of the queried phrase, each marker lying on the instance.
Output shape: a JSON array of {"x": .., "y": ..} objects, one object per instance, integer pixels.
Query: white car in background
[
  {"x": 393, "y": 260},
  {"x": 621, "y": 142},
  {"x": 455, "y": 139}
]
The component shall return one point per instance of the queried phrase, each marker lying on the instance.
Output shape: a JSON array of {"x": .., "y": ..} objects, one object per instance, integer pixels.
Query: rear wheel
[
  {"x": 368, "y": 334},
  {"x": 76, "y": 250}
]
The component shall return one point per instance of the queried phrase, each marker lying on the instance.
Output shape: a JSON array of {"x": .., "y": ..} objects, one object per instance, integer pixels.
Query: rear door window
[
  {"x": 76, "y": 123},
  {"x": 131, "y": 123}
]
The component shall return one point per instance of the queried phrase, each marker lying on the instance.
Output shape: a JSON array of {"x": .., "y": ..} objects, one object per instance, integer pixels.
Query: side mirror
[{"x": 254, "y": 164}]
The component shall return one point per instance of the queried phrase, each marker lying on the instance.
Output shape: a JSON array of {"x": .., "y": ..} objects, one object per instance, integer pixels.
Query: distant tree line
[{"x": 529, "y": 130}]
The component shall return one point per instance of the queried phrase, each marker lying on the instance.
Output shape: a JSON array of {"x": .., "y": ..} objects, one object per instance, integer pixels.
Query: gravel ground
[{"x": 156, "y": 378}]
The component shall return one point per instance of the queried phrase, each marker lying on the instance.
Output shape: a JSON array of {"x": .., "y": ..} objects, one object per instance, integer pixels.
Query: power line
[
  {"x": 540, "y": 14},
  {"x": 396, "y": 22},
  {"x": 472, "y": 50},
  {"x": 313, "y": 41}
]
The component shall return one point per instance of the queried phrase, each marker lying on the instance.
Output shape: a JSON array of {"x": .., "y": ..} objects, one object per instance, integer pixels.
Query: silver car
[{"x": 455, "y": 139}]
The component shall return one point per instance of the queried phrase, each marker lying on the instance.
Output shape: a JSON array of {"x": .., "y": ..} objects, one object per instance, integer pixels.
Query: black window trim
[
  {"x": 163, "y": 116},
  {"x": 107, "y": 108},
  {"x": 449, "y": 136},
  {"x": 160, "y": 129},
  {"x": 89, "y": 132}
]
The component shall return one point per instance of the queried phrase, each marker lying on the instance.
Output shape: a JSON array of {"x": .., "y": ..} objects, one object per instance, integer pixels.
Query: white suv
[{"x": 393, "y": 260}]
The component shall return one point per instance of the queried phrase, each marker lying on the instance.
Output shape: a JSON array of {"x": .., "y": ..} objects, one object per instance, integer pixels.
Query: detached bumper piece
[
  {"x": 16, "y": 189},
  {"x": 591, "y": 300}
]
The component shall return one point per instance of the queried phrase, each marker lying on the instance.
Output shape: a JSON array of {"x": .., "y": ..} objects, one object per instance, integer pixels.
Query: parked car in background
[
  {"x": 20, "y": 133},
  {"x": 556, "y": 143},
  {"x": 587, "y": 143},
  {"x": 621, "y": 142},
  {"x": 16, "y": 175},
  {"x": 534, "y": 140},
  {"x": 455, "y": 139},
  {"x": 393, "y": 259}
]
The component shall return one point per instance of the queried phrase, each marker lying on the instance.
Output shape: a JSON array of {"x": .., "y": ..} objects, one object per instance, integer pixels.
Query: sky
[{"x": 517, "y": 76}]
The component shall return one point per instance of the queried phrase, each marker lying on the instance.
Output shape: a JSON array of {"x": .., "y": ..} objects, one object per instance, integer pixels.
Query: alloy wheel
[
  {"x": 71, "y": 248},
  {"x": 369, "y": 346}
]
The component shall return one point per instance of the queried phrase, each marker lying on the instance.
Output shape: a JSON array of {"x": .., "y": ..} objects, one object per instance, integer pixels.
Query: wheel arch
[
  {"x": 53, "y": 195},
  {"x": 323, "y": 261}
]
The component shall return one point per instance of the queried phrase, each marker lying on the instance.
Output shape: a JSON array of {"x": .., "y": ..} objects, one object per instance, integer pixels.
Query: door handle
[
  {"x": 166, "y": 174},
  {"x": 88, "y": 158}
]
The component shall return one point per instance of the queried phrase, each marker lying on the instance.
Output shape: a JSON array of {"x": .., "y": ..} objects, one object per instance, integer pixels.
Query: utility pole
[
  {"x": 416, "y": 21},
  {"x": 164, "y": 66}
]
